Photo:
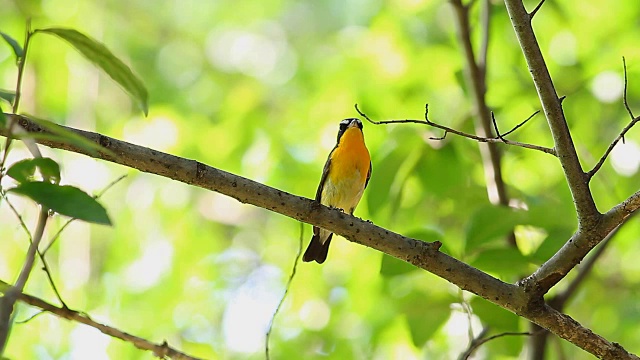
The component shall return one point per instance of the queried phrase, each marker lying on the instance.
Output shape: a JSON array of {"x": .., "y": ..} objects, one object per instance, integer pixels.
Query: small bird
[{"x": 344, "y": 177}]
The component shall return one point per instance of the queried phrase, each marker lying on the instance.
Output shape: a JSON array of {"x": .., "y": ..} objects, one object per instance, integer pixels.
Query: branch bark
[
  {"x": 162, "y": 350},
  {"x": 592, "y": 225},
  {"x": 424, "y": 255},
  {"x": 578, "y": 181}
]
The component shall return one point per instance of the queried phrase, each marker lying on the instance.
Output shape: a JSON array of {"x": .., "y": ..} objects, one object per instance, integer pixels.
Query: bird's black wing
[
  {"x": 325, "y": 173},
  {"x": 368, "y": 176}
]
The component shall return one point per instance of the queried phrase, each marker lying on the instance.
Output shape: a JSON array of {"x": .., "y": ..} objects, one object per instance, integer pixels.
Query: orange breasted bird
[{"x": 344, "y": 178}]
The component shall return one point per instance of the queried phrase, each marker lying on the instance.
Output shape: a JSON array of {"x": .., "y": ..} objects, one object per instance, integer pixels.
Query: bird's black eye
[{"x": 344, "y": 123}]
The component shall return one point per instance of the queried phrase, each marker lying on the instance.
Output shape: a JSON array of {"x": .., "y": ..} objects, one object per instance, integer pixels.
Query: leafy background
[{"x": 257, "y": 88}]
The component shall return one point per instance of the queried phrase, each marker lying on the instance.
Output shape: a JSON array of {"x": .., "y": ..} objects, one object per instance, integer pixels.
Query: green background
[{"x": 257, "y": 88}]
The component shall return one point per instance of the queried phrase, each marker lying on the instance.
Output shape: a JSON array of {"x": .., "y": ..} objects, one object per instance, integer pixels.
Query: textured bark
[{"x": 516, "y": 298}]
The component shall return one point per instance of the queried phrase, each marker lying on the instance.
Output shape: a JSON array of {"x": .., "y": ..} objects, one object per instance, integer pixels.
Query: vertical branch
[
  {"x": 577, "y": 180},
  {"x": 485, "y": 22},
  {"x": 475, "y": 76},
  {"x": 7, "y": 302},
  {"x": 16, "y": 101}
]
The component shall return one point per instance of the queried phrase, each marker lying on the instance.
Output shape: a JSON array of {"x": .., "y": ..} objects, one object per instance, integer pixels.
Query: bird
[{"x": 344, "y": 177}]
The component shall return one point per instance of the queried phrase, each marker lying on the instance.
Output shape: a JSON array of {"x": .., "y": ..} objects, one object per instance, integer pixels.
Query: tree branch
[
  {"x": 475, "y": 79},
  {"x": 578, "y": 246},
  {"x": 424, "y": 255},
  {"x": 588, "y": 215},
  {"x": 481, "y": 340},
  {"x": 163, "y": 350},
  {"x": 558, "y": 302},
  {"x": 8, "y": 301},
  {"x": 624, "y": 98},
  {"x": 535, "y": 11},
  {"x": 634, "y": 120},
  {"x": 447, "y": 130}
]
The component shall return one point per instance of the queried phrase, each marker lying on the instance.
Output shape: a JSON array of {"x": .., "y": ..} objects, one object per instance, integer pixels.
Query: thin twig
[
  {"x": 522, "y": 123},
  {"x": 533, "y": 13},
  {"x": 597, "y": 167},
  {"x": 3, "y": 194},
  {"x": 624, "y": 98},
  {"x": 162, "y": 350},
  {"x": 97, "y": 196},
  {"x": 286, "y": 291},
  {"x": 471, "y": 347},
  {"x": 485, "y": 20},
  {"x": 467, "y": 310},
  {"x": 8, "y": 301},
  {"x": 428, "y": 122},
  {"x": 480, "y": 340},
  {"x": 495, "y": 127},
  {"x": 634, "y": 120},
  {"x": 39, "y": 312},
  {"x": 16, "y": 100},
  {"x": 45, "y": 265}
]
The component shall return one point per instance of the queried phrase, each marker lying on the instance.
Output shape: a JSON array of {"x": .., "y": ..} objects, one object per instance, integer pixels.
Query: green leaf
[
  {"x": 504, "y": 262},
  {"x": 551, "y": 244},
  {"x": 497, "y": 318},
  {"x": 23, "y": 171},
  {"x": 17, "y": 49},
  {"x": 425, "y": 316},
  {"x": 7, "y": 95},
  {"x": 49, "y": 169},
  {"x": 102, "y": 57},
  {"x": 64, "y": 199},
  {"x": 3, "y": 118},
  {"x": 391, "y": 266},
  {"x": 379, "y": 189},
  {"x": 61, "y": 134},
  {"x": 491, "y": 222}
]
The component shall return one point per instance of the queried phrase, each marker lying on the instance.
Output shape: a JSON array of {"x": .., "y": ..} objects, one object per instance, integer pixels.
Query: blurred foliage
[{"x": 258, "y": 88}]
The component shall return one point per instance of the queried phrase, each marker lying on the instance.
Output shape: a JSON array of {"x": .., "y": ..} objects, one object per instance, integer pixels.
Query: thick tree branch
[
  {"x": 578, "y": 246},
  {"x": 421, "y": 254},
  {"x": 163, "y": 350},
  {"x": 578, "y": 181},
  {"x": 539, "y": 339}
]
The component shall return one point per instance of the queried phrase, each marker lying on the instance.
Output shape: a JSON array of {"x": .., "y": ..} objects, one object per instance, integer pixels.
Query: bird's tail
[{"x": 317, "y": 250}]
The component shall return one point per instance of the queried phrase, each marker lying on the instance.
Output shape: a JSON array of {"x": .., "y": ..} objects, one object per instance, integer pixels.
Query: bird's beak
[{"x": 352, "y": 124}]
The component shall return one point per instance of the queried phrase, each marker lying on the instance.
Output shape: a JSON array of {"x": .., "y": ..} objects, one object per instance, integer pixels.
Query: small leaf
[
  {"x": 391, "y": 266},
  {"x": 497, "y": 318},
  {"x": 102, "y": 57},
  {"x": 3, "y": 119},
  {"x": 425, "y": 316},
  {"x": 49, "y": 169},
  {"x": 7, "y": 95},
  {"x": 489, "y": 223},
  {"x": 379, "y": 192},
  {"x": 503, "y": 262},
  {"x": 66, "y": 200},
  {"x": 23, "y": 170},
  {"x": 17, "y": 49}
]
